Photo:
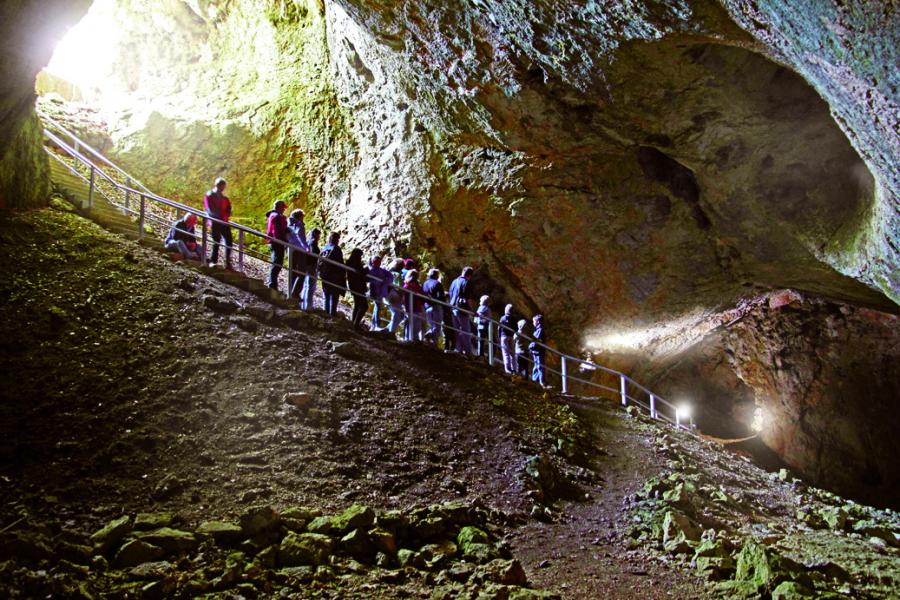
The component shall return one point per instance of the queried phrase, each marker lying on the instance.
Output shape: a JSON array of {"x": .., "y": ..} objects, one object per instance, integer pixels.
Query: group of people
[{"x": 423, "y": 311}]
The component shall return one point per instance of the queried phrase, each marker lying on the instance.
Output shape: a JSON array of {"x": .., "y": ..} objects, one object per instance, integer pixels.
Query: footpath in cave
[{"x": 163, "y": 434}]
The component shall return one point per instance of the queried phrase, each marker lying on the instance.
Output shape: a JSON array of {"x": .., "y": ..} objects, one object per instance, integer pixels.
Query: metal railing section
[{"x": 624, "y": 389}]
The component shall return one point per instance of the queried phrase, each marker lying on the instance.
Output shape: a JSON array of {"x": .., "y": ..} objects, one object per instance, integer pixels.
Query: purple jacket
[{"x": 380, "y": 280}]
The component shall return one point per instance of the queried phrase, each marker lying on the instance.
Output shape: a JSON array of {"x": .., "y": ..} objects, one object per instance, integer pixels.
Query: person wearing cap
[
  {"x": 218, "y": 206},
  {"x": 538, "y": 350},
  {"x": 182, "y": 238},
  {"x": 277, "y": 231}
]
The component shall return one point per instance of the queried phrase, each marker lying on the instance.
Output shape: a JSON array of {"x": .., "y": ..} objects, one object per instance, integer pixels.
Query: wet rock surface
[
  {"x": 231, "y": 490},
  {"x": 756, "y": 534}
]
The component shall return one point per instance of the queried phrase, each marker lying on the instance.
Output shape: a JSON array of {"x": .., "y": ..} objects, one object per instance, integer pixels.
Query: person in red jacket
[
  {"x": 277, "y": 230},
  {"x": 218, "y": 206}
]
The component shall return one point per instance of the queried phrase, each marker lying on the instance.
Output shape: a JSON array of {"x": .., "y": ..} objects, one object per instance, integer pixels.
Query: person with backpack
[
  {"x": 277, "y": 231},
  {"x": 482, "y": 322},
  {"x": 459, "y": 300},
  {"x": 182, "y": 237},
  {"x": 334, "y": 277},
  {"x": 380, "y": 280},
  {"x": 218, "y": 206},
  {"x": 296, "y": 237},
  {"x": 434, "y": 312},
  {"x": 507, "y": 332},
  {"x": 308, "y": 294},
  {"x": 395, "y": 296},
  {"x": 538, "y": 351},
  {"x": 417, "y": 318},
  {"x": 520, "y": 339},
  {"x": 357, "y": 281}
]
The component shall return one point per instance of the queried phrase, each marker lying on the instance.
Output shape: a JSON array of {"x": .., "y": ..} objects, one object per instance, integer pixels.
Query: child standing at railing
[
  {"x": 507, "y": 333},
  {"x": 520, "y": 340},
  {"x": 482, "y": 322}
]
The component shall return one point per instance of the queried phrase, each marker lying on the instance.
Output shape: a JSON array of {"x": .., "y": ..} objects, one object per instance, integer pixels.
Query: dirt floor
[{"x": 131, "y": 384}]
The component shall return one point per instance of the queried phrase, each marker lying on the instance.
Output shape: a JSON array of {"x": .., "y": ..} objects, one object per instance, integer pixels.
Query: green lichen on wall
[
  {"x": 258, "y": 109},
  {"x": 24, "y": 172}
]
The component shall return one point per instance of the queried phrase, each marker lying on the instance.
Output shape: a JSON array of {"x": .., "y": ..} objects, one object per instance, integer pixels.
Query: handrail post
[
  {"x": 677, "y": 418},
  {"x": 490, "y": 338},
  {"x": 205, "y": 241},
  {"x": 623, "y": 390},
  {"x": 410, "y": 327},
  {"x": 141, "y": 219},
  {"x": 240, "y": 247},
  {"x": 565, "y": 375},
  {"x": 91, "y": 190},
  {"x": 652, "y": 406},
  {"x": 128, "y": 196}
]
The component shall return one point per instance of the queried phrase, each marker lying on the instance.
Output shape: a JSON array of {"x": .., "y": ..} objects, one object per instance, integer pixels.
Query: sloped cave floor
[{"x": 122, "y": 393}]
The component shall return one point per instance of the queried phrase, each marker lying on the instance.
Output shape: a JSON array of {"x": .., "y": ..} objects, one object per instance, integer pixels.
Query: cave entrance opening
[{"x": 81, "y": 68}]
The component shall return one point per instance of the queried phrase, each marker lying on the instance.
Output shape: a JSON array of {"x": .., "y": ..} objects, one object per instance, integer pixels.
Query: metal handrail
[
  {"x": 408, "y": 304},
  {"x": 76, "y": 140}
]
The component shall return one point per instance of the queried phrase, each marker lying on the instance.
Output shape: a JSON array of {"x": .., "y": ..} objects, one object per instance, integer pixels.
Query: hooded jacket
[{"x": 182, "y": 232}]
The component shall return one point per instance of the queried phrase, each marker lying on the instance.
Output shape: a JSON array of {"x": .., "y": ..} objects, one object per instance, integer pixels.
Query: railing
[{"x": 620, "y": 386}]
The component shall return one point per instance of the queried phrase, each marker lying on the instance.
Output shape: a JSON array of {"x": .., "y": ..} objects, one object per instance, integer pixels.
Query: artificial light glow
[
  {"x": 84, "y": 56},
  {"x": 760, "y": 419},
  {"x": 684, "y": 411},
  {"x": 669, "y": 336}
]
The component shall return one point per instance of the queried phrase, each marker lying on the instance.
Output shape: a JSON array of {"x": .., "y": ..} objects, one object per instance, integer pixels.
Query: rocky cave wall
[
  {"x": 611, "y": 165},
  {"x": 28, "y": 33}
]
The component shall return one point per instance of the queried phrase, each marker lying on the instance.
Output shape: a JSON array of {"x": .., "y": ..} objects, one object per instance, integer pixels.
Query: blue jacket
[
  {"x": 380, "y": 280},
  {"x": 459, "y": 293}
]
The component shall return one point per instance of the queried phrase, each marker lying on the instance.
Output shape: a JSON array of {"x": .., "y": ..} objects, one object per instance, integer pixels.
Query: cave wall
[
  {"x": 826, "y": 377},
  {"x": 849, "y": 52},
  {"x": 611, "y": 165},
  {"x": 28, "y": 33}
]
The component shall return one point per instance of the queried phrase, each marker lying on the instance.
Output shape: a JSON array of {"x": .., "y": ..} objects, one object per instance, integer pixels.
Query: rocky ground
[{"x": 165, "y": 434}]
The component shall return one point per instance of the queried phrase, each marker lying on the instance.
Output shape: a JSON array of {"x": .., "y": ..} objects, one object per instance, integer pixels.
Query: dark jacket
[
  {"x": 435, "y": 289},
  {"x": 329, "y": 272},
  {"x": 277, "y": 228},
  {"x": 182, "y": 232},
  {"x": 357, "y": 279},
  {"x": 507, "y": 326},
  {"x": 311, "y": 263}
]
